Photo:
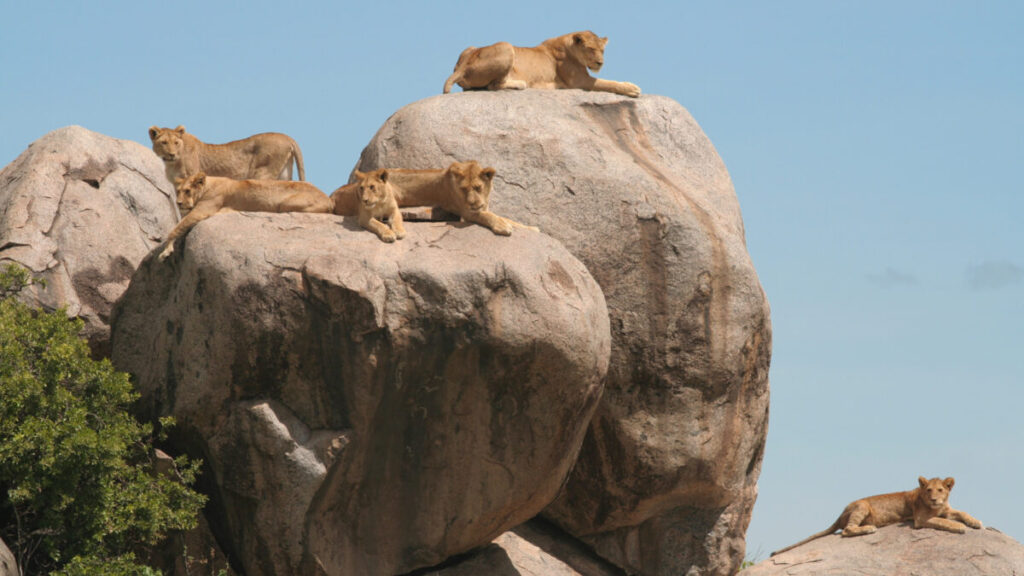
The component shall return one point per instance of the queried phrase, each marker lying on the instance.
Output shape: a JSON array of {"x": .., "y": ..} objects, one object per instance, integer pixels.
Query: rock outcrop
[
  {"x": 900, "y": 550},
  {"x": 531, "y": 549},
  {"x": 666, "y": 478},
  {"x": 81, "y": 210},
  {"x": 367, "y": 408},
  {"x": 8, "y": 566}
]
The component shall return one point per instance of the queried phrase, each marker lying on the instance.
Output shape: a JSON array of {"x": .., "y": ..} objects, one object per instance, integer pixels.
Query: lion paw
[
  {"x": 976, "y": 524},
  {"x": 166, "y": 252},
  {"x": 631, "y": 90},
  {"x": 388, "y": 236},
  {"x": 502, "y": 229}
]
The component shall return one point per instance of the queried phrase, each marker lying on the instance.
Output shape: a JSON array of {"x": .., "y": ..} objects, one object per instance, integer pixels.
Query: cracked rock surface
[
  {"x": 366, "y": 408},
  {"x": 81, "y": 210},
  {"x": 667, "y": 475},
  {"x": 900, "y": 550}
]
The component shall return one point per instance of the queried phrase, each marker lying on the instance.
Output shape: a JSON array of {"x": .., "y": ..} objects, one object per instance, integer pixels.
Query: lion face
[
  {"x": 588, "y": 49},
  {"x": 167, "y": 143},
  {"x": 371, "y": 187},
  {"x": 935, "y": 492},
  {"x": 189, "y": 190},
  {"x": 472, "y": 183}
]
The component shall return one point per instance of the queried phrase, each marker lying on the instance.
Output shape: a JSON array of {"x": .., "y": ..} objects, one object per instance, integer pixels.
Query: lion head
[
  {"x": 372, "y": 187},
  {"x": 587, "y": 48},
  {"x": 189, "y": 190},
  {"x": 935, "y": 492},
  {"x": 472, "y": 184},
  {"x": 167, "y": 143}
]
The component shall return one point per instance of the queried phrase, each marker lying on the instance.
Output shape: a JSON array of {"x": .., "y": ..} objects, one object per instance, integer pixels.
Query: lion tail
[
  {"x": 297, "y": 154},
  {"x": 455, "y": 77},
  {"x": 460, "y": 69},
  {"x": 830, "y": 530}
]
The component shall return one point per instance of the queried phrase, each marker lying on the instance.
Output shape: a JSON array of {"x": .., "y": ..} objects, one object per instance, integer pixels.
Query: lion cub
[
  {"x": 927, "y": 505},
  {"x": 203, "y": 196},
  {"x": 463, "y": 188},
  {"x": 377, "y": 201},
  {"x": 266, "y": 156},
  {"x": 560, "y": 62}
]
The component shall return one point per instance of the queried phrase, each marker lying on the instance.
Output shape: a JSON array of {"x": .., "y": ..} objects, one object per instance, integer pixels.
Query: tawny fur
[
  {"x": 560, "y": 62},
  {"x": 463, "y": 188},
  {"x": 927, "y": 505},
  {"x": 266, "y": 156},
  {"x": 204, "y": 196},
  {"x": 378, "y": 201}
]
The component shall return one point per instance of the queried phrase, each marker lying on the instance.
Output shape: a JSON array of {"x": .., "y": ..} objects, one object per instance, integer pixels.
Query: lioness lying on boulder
[
  {"x": 560, "y": 62},
  {"x": 463, "y": 188},
  {"x": 266, "y": 156},
  {"x": 203, "y": 196},
  {"x": 927, "y": 505}
]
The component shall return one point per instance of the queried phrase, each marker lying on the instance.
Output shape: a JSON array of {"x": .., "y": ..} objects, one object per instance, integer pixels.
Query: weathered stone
[
  {"x": 8, "y": 565},
  {"x": 531, "y": 549},
  {"x": 367, "y": 408},
  {"x": 900, "y": 550},
  {"x": 667, "y": 475},
  {"x": 81, "y": 210}
]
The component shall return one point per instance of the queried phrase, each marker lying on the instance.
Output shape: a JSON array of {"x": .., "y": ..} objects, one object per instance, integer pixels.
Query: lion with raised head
[
  {"x": 377, "y": 201},
  {"x": 463, "y": 188},
  {"x": 560, "y": 62},
  {"x": 927, "y": 505},
  {"x": 266, "y": 156},
  {"x": 203, "y": 196}
]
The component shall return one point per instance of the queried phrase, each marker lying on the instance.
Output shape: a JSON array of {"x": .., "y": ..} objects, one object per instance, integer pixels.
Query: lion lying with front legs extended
[
  {"x": 927, "y": 505},
  {"x": 560, "y": 62},
  {"x": 203, "y": 196},
  {"x": 463, "y": 188},
  {"x": 266, "y": 156}
]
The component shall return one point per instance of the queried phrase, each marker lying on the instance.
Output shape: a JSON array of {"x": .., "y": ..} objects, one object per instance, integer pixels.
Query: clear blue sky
[{"x": 876, "y": 149}]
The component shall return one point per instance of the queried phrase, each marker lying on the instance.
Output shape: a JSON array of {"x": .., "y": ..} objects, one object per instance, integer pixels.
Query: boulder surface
[
  {"x": 367, "y": 408},
  {"x": 81, "y": 210},
  {"x": 900, "y": 550},
  {"x": 8, "y": 566},
  {"x": 666, "y": 478}
]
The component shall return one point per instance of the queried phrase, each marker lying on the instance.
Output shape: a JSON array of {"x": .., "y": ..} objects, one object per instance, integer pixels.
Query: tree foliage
[{"x": 79, "y": 494}]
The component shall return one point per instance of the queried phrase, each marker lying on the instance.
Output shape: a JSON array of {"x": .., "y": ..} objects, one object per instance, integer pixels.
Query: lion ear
[
  {"x": 577, "y": 38},
  {"x": 949, "y": 483},
  {"x": 199, "y": 178},
  {"x": 604, "y": 41},
  {"x": 488, "y": 173},
  {"x": 922, "y": 481},
  {"x": 180, "y": 129},
  {"x": 383, "y": 175},
  {"x": 359, "y": 175},
  {"x": 153, "y": 131}
]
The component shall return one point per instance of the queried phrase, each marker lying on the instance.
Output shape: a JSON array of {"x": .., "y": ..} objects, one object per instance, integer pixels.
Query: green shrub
[{"x": 78, "y": 491}]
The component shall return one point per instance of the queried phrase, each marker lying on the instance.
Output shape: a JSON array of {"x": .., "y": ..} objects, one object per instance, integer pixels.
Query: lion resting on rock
[
  {"x": 203, "y": 196},
  {"x": 266, "y": 156},
  {"x": 463, "y": 188},
  {"x": 560, "y": 62},
  {"x": 927, "y": 505}
]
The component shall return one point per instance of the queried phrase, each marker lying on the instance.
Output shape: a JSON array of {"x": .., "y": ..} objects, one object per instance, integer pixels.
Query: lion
[
  {"x": 560, "y": 62},
  {"x": 463, "y": 188},
  {"x": 203, "y": 196},
  {"x": 266, "y": 156},
  {"x": 927, "y": 505},
  {"x": 377, "y": 200}
]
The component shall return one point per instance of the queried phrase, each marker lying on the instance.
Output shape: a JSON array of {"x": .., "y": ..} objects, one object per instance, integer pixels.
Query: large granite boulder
[
  {"x": 666, "y": 478},
  {"x": 900, "y": 550},
  {"x": 81, "y": 210},
  {"x": 8, "y": 566},
  {"x": 531, "y": 549},
  {"x": 367, "y": 408}
]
